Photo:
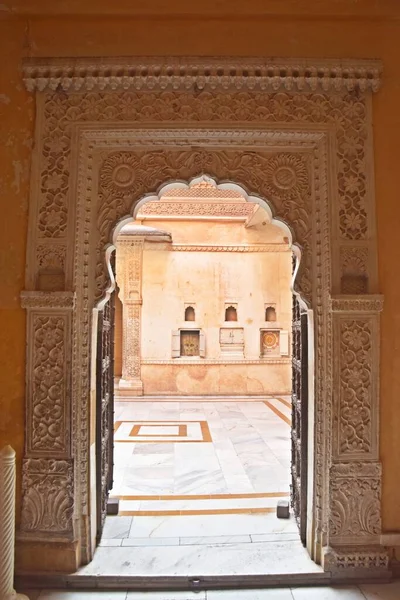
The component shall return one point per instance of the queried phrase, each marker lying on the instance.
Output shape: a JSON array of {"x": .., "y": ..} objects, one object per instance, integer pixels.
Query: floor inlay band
[
  {"x": 180, "y": 513},
  {"x": 278, "y": 413},
  {"x": 206, "y": 496}
]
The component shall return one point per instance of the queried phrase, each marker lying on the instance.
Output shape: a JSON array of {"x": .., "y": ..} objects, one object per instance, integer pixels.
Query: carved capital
[
  {"x": 94, "y": 74},
  {"x": 47, "y": 300},
  {"x": 355, "y": 503},
  {"x": 47, "y": 498},
  {"x": 369, "y": 303}
]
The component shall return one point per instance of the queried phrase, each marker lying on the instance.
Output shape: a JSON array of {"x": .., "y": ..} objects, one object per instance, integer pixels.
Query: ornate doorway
[{"x": 297, "y": 138}]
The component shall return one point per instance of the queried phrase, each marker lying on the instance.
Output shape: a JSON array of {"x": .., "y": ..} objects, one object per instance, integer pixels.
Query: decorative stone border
[
  {"x": 192, "y": 73},
  {"x": 295, "y": 139}
]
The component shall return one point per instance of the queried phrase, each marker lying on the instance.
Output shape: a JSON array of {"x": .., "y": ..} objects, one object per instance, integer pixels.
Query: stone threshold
[{"x": 195, "y": 583}]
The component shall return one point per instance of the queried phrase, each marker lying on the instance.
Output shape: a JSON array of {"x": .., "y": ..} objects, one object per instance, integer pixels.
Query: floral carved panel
[
  {"x": 357, "y": 359},
  {"x": 355, "y": 501},
  {"x": 48, "y": 411},
  {"x": 344, "y": 113},
  {"x": 48, "y": 497},
  {"x": 131, "y": 341}
]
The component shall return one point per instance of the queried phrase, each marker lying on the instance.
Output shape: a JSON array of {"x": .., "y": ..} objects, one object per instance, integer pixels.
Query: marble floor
[
  {"x": 198, "y": 484},
  {"x": 200, "y": 472},
  {"x": 388, "y": 591}
]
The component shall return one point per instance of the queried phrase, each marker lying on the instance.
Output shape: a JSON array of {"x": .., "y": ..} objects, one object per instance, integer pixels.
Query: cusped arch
[{"x": 277, "y": 213}]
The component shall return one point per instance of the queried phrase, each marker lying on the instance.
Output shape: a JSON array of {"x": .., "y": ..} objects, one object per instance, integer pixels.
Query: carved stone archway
[{"x": 297, "y": 134}]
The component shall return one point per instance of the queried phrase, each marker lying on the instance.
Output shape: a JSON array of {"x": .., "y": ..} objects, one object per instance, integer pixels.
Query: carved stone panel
[
  {"x": 356, "y": 347},
  {"x": 48, "y": 497},
  {"x": 355, "y": 503},
  {"x": 48, "y": 383}
]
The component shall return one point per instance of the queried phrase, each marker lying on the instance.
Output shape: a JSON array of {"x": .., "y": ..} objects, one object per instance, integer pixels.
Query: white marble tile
[
  {"x": 215, "y": 540},
  {"x": 151, "y": 460},
  {"x": 380, "y": 591},
  {"x": 151, "y": 542},
  {"x": 265, "y": 594},
  {"x": 327, "y": 593},
  {"x": 116, "y": 527},
  {"x": 206, "y": 525},
  {"x": 111, "y": 542},
  {"x": 153, "y": 448},
  {"x": 81, "y": 595},
  {"x": 232, "y": 559}
]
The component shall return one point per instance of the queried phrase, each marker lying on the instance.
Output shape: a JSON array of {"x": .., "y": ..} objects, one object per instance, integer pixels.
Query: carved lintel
[
  {"x": 355, "y": 503},
  {"x": 372, "y": 303},
  {"x": 47, "y": 498},
  {"x": 215, "y": 73},
  {"x": 47, "y": 300}
]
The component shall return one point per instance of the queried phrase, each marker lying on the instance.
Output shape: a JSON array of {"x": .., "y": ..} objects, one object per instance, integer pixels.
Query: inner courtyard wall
[
  {"x": 210, "y": 281},
  {"x": 284, "y": 33}
]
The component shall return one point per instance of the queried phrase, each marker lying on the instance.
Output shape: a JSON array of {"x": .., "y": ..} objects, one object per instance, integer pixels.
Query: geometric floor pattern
[{"x": 199, "y": 472}]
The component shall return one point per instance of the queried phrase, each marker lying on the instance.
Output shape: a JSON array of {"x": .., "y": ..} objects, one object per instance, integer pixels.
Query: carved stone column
[
  {"x": 355, "y": 472},
  {"x": 47, "y": 470},
  {"x": 129, "y": 279}
]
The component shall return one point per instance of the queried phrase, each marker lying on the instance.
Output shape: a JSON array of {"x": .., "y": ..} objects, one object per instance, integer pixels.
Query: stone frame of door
[{"x": 296, "y": 135}]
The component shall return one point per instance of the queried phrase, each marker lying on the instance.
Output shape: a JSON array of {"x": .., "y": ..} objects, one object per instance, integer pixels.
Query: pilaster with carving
[
  {"x": 355, "y": 474},
  {"x": 129, "y": 279},
  {"x": 48, "y": 474}
]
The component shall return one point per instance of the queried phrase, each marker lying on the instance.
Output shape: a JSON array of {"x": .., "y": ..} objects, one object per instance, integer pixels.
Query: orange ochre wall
[{"x": 284, "y": 35}]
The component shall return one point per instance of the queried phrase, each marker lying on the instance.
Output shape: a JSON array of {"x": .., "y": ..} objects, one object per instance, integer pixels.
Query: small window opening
[
  {"x": 270, "y": 313},
  {"x": 190, "y": 314},
  {"x": 190, "y": 343},
  {"x": 231, "y": 314}
]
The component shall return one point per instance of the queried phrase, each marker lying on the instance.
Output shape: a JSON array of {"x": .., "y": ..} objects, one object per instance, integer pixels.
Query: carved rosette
[{"x": 47, "y": 498}]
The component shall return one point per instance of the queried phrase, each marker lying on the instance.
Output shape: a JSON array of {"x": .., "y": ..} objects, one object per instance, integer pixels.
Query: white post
[{"x": 7, "y": 525}]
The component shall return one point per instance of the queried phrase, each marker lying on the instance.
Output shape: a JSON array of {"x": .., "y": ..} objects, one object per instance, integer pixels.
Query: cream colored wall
[{"x": 208, "y": 280}]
